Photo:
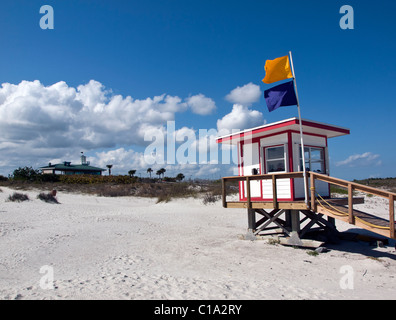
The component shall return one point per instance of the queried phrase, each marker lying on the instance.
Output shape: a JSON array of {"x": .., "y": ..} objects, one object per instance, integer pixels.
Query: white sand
[{"x": 133, "y": 248}]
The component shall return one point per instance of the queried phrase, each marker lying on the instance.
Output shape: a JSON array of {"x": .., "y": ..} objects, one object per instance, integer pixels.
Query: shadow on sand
[{"x": 364, "y": 242}]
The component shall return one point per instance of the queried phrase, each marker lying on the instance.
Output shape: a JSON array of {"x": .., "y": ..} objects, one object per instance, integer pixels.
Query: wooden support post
[
  {"x": 224, "y": 194},
  {"x": 295, "y": 221},
  {"x": 292, "y": 218},
  {"x": 392, "y": 215},
  {"x": 351, "y": 218},
  {"x": 274, "y": 193},
  {"x": 251, "y": 220},
  {"x": 331, "y": 220},
  {"x": 251, "y": 225},
  {"x": 294, "y": 238},
  {"x": 248, "y": 195},
  {"x": 313, "y": 203},
  {"x": 288, "y": 218}
]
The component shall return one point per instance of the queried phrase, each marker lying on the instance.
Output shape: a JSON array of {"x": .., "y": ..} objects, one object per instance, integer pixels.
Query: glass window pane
[
  {"x": 306, "y": 166},
  {"x": 317, "y": 167},
  {"x": 275, "y": 153},
  {"x": 306, "y": 152},
  {"x": 275, "y": 166},
  {"x": 316, "y": 154}
]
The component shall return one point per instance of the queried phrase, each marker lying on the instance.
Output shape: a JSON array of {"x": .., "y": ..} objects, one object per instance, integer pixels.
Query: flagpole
[{"x": 301, "y": 131}]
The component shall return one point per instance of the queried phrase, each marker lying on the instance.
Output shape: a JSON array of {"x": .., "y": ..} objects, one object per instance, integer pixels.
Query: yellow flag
[{"x": 277, "y": 70}]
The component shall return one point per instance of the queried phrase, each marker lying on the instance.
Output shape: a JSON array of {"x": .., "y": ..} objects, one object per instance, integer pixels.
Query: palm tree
[
  {"x": 131, "y": 173},
  {"x": 180, "y": 177},
  {"x": 158, "y": 173},
  {"x": 163, "y": 170},
  {"x": 149, "y": 170},
  {"x": 109, "y": 166}
]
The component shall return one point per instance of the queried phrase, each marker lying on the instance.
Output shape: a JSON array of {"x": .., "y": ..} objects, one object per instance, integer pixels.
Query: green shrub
[
  {"x": 94, "y": 179},
  {"x": 48, "y": 177},
  {"x": 26, "y": 173}
]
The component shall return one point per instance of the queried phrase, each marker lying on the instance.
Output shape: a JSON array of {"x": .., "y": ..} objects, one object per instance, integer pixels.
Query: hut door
[{"x": 251, "y": 163}]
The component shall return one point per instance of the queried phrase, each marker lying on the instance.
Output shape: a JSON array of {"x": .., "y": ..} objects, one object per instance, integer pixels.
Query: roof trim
[
  {"x": 323, "y": 127},
  {"x": 72, "y": 167}
]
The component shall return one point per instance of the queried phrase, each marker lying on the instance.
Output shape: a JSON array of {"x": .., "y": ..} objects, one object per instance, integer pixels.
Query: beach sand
[{"x": 133, "y": 248}]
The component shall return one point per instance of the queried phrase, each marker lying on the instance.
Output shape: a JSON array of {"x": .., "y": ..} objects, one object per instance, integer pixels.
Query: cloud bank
[{"x": 54, "y": 123}]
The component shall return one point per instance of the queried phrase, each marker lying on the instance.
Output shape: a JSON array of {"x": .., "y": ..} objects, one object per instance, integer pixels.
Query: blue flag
[{"x": 282, "y": 95}]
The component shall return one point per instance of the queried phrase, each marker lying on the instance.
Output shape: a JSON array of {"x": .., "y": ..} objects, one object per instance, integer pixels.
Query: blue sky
[{"x": 186, "y": 51}]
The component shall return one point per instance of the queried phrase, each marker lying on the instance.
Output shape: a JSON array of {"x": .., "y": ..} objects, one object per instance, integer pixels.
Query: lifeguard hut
[
  {"x": 276, "y": 148},
  {"x": 270, "y": 176}
]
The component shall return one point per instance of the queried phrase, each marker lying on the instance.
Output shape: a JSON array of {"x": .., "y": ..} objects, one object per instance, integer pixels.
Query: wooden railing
[
  {"x": 272, "y": 177},
  {"x": 350, "y": 186}
]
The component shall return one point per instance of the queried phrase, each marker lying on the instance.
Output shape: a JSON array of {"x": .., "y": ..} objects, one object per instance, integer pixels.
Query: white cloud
[
  {"x": 122, "y": 160},
  {"x": 245, "y": 95},
  {"x": 87, "y": 116},
  {"x": 57, "y": 121},
  {"x": 361, "y": 160},
  {"x": 54, "y": 123},
  {"x": 200, "y": 104},
  {"x": 241, "y": 117}
]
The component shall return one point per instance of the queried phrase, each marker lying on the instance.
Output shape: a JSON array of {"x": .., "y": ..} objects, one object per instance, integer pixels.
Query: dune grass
[{"x": 18, "y": 197}]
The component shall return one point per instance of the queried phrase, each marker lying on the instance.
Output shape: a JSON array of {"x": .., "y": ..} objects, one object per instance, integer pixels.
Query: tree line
[{"x": 30, "y": 174}]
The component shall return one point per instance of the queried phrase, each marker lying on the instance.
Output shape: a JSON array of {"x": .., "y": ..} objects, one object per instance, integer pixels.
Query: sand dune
[{"x": 133, "y": 248}]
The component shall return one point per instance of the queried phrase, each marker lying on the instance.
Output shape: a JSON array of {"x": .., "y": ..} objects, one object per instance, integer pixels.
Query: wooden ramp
[
  {"x": 314, "y": 210},
  {"x": 359, "y": 218}
]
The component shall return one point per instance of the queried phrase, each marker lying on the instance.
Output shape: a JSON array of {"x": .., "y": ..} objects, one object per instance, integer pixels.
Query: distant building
[{"x": 68, "y": 168}]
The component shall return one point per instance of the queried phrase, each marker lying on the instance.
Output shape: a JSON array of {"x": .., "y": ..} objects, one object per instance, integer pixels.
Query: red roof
[{"x": 308, "y": 126}]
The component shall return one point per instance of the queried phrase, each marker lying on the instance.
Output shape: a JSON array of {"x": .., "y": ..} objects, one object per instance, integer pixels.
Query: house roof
[
  {"x": 72, "y": 167},
  {"x": 292, "y": 124}
]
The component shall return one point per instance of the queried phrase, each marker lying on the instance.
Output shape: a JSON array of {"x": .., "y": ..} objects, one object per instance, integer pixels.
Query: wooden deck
[
  {"x": 337, "y": 208},
  {"x": 287, "y": 205}
]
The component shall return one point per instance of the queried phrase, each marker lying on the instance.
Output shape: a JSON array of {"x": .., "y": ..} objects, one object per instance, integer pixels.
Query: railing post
[
  {"x": 392, "y": 215},
  {"x": 351, "y": 218},
  {"x": 274, "y": 193},
  {"x": 248, "y": 196},
  {"x": 223, "y": 191},
  {"x": 313, "y": 202}
]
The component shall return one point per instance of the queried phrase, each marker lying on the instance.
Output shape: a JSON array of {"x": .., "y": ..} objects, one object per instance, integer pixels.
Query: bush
[
  {"x": 48, "y": 177},
  {"x": 94, "y": 179},
  {"x": 209, "y": 197},
  {"x": 106, "y": 190},
  {"x": 47, "y": 197},
  {"x": 164, "y": 198},
  {"x": 26, "y": 173},
  {"x": 18, "y": 197}
]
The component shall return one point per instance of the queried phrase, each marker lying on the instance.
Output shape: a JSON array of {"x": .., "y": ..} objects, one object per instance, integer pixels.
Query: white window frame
[
  {"x": 265, "y": 160},
  {"x": 310, "y": 161}
]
